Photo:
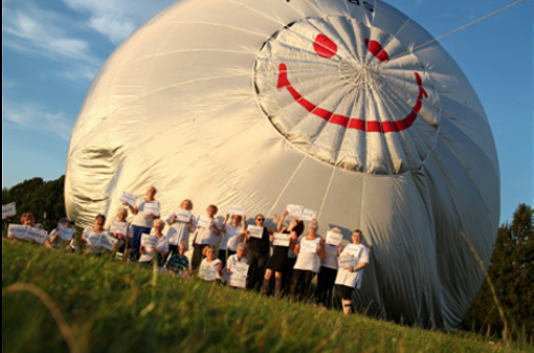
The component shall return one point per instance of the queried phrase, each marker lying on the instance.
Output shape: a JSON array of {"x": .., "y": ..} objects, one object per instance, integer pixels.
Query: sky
[{"x": 52, "y": 50}]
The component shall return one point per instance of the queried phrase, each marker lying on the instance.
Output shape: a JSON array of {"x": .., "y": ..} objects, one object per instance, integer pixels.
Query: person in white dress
[
  {"x": 179, "y": 229},
  {"x": 237, "y": 258},
  {"x": 350, "y": 277}
]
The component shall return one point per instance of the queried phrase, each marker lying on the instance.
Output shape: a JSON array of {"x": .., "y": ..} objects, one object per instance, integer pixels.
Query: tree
[{"x": 511, "y": 272}]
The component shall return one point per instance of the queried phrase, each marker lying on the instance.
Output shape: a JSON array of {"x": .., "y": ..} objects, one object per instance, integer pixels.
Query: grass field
[{"x": 115, "y": 307}]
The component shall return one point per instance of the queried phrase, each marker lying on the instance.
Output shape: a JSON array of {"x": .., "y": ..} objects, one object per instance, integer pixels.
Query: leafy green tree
[{"x": 511, "y": 272}]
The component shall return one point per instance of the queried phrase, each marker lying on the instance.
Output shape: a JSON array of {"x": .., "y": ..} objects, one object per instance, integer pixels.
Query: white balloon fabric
[{"x": 317, "y": 103}]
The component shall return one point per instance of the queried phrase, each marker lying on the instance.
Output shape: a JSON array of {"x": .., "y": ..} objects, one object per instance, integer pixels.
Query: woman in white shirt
[
  {"x": 180, "y": 230},
  {"x": 233, "y": 235},
  {"x": 350, "y": 277},
  {"x": 92, "y": 236},
  {"x": 161, "y": 250},
  {"x": 125, "y": 240},
  {"x": 146, "y": 211},
  {"x": 211, "y": 267},
  {"x": 328, "y": 272},
  {"x": 309, "y": 252}
]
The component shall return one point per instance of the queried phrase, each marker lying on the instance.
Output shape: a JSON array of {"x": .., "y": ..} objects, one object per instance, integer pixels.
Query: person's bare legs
[
  {"x": 266, "y": 280},
  {"x": 347, "y": 305},
  {"x": 277, "y": 283}
]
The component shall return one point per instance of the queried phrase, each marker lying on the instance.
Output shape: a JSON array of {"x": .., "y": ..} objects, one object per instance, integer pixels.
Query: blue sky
[{"x": 52, "y": 49}]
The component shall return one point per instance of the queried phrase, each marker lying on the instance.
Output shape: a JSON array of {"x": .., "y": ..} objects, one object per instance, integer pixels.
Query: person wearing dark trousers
[
  {"x": 208, "y": 229},
  {"x": 350, "y": 277},
  {"x": 258, "y": 253},
  {"x": 233, "y": 235},
  {"x": 143, "y": 220},
  {"x": 310, "y": 251},
  {"x": 327, "y": 273}
]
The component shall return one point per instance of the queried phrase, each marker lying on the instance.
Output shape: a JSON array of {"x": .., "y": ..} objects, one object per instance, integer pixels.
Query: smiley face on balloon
[{"x": 347, "y": 100}]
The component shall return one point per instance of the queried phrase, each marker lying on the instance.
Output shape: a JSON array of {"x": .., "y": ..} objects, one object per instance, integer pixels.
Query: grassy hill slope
[{"x": 118, "y": 307}]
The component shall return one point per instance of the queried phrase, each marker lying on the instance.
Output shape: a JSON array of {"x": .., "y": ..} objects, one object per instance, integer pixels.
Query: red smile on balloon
[{"x": 326, "y": 48}]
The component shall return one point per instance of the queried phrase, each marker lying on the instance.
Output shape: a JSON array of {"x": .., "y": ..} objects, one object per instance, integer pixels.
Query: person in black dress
[
  {"x": 258, "y": 253},
  {"x": 278, "y": 261}
]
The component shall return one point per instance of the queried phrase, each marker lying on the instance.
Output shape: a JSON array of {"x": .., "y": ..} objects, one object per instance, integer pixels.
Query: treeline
[{"x": 511, "y": 271}]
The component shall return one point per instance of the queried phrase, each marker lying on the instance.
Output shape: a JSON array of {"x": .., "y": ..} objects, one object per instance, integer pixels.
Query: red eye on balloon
[{"x": 324, "y": 47}]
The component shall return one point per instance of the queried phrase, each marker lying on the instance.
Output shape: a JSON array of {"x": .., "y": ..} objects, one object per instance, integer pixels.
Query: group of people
[{"x": 293, "y": 263}]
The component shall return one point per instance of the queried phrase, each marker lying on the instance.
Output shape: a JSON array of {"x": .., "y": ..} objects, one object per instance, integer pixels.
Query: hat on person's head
[{"x": 64, "y": 220}]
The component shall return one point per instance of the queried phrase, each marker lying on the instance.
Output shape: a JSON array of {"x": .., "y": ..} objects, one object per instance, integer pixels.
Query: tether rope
[{"x": 456, "y": 30}]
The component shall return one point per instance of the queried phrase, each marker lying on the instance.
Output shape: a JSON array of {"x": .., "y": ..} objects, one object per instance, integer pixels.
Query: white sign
[
  {"x": 255, "y": 231},
  {"x": 93, "y": 239},
  {"x": 118, "y": 227},
  {"x": 208, "y": 272},
  {"x": 295, "y": 210},
  {"x": 18, "y": 231},
  {"x": 107, "y": 241},
  {"x": 65, "y": 233},
  {"x": 308, "y": 247},
  {"x": 281, "y": 239},
  {"x": 334, "y": 238},
  {"x": 308, "y": 214},
  {"x": 238, "y": 275},
  {"x": 149, "y": 241},
  {"x": 38, "y": 235},
  {"x": 8, "y": 210},
  {"x": 238, "y": 210},
  {"x": 130, "y": 199},
  {"x": 151, "y": 208},
  {"x": 204, "y": 222},
  {"x": 183, "y": 216},
  {"x": 346, "y": 261}
]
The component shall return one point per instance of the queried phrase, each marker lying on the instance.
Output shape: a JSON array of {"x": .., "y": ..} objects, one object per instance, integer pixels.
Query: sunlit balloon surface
[{"x": 317, "y": 103}]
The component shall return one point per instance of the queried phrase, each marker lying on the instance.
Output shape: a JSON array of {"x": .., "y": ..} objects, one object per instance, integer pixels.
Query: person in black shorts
[
  {"x": 258, "y": 253},
  {"x": 278, "y": 261}
]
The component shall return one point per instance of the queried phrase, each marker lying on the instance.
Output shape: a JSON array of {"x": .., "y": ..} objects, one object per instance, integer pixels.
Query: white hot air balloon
[{"x": 318, "y": 103}]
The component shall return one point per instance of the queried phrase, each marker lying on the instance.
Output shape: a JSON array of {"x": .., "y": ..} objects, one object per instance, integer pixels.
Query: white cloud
[
  {"x": 33, "y": 29},
  {"x": 30, "y": 116},
  {"x": 116, "y": 19},
  {"x": 29, "y": 29}
]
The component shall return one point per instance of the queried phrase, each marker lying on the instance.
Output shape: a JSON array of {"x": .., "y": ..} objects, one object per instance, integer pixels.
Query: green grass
[{"x": 107, "y": 305}]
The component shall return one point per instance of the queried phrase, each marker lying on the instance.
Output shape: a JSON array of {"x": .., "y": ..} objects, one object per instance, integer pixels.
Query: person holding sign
[
  {"x": 258, "y": 252},
  {"x": 122, "y": 230},
  {"x": 237, "y": 258},
  {"x": 178, "y": 263},
  {"x": 28, "y": 220},
  {"x": 55, "y": 240},
  {"x": 208, "y": 229},
  {"x": 161, "y": 250},
  {"x": 350, "y": 277},
  {"x": 233, "y": 235},
  {"x": 146, "y": 211},
  {"x": 328, "y": 272},
  {"x": 182, "y": 224},
  {"x": 91, "y": 237},
  {"x": 309, "y": 252},
  {"x": 279, "y": 260},
  {"x": 211, "y": 267}
]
